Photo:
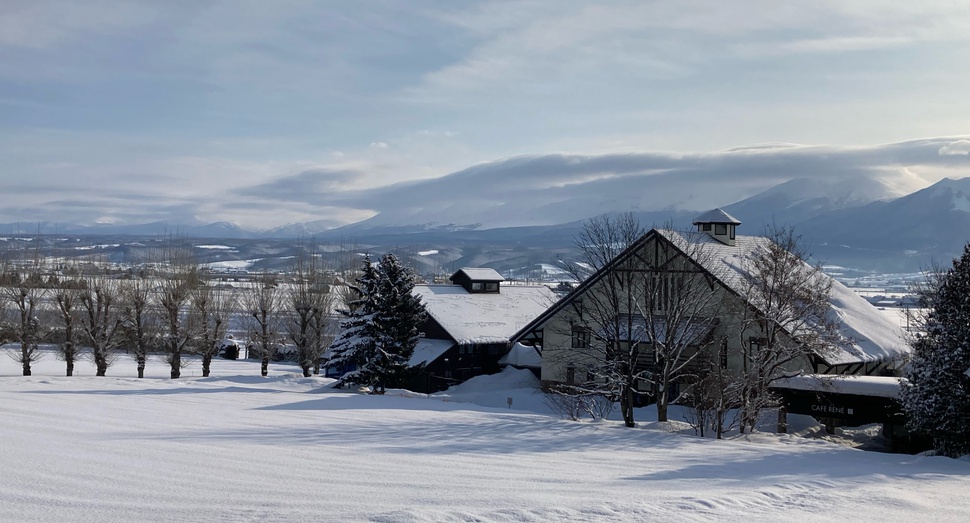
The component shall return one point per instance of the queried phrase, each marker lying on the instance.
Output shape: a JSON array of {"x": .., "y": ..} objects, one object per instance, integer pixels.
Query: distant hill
[
  {"x": 930, "y": 224},
  {"x": 859, "y": 222}
]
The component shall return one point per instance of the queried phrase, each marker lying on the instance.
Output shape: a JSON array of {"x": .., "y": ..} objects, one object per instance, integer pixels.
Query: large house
[
  {"x": 715, "y": 256},
  {"x": 470, "y": 324}
]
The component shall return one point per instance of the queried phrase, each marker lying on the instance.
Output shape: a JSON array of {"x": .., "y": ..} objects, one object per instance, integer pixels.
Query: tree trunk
[
  {"x": 307, "y": 371},
  {"x": 206, "y": 363},
  {"x": 661, "y": 410},
  {"x": 176, "y": 362},
  {"x": 100, "y": 362},
  {"x": 26, "y": 355},
  {"x": 626, "y": 406},
  {"x": 141, "y": 366},
  {"x": 264, "y": 367}
]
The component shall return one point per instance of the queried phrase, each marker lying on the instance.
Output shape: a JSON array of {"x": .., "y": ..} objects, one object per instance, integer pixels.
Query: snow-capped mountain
[
  {"x": 801, "y": 199},
  {"x": 928, "y": 224}
]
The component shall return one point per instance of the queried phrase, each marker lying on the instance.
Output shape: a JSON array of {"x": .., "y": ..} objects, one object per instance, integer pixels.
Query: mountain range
[{"x": 858, "y": 222}]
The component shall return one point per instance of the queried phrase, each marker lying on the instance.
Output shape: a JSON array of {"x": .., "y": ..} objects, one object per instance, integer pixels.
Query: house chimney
[{"x": 718, "y": 225}]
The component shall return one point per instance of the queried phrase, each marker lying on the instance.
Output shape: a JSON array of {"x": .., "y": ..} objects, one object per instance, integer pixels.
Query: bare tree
[
  {"x": 263, "y": 302},
  {"x": 141, "y": 321},
  {"x": 101, "y": 319},
  {"x": 782, "y": 319},
  {"x": 211, "y": 309},
  {"x": 173, "y": 296},
  {"x": 309, "y": 324},
  {"x": 24, "y": 291},
  {"x": 26, "y": 328},
  {"x": 650, "y": 318},
  {"x": 606, "y": 314},
  {"x": 68, "y": 298}
]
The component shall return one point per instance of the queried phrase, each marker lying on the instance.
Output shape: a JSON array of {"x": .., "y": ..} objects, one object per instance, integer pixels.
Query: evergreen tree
[
  {"x": 380, "y": 331},
  {"x": 399, "y": 314},
  {"x": 937, "y": 398},
  {"x": 356, "y": 345}
]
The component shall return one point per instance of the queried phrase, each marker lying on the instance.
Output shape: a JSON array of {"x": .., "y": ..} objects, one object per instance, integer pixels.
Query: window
[
  {"x": 706, "y": 227},
  {"x": 580, "y": 337},
  {"x": 720, "y": 228},
  {"x": 570, "y": 374},
  {"x": 732, "y": 232},
  {"x": 666, "y": 290},
  {"x": 491, "y": 287},
  {"x": 476, "y": 286}
]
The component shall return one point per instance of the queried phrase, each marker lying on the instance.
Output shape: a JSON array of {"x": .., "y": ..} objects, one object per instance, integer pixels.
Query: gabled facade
[{"x": 711, "y": 258}]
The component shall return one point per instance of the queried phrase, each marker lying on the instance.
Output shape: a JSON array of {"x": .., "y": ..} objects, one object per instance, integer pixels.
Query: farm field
[{"x": 239, "y": 447}]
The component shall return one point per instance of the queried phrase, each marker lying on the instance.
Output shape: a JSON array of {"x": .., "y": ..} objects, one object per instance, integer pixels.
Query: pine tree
[
  {"x": 937, "y": 399},
  {"x": 399, "y": 314},
  {"x": 356, "y": 345},
  {"x": 380, "y": 331}
]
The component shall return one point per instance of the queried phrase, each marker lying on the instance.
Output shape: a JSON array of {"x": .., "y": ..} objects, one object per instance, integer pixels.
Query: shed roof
[{"x": 429, "y": 349}]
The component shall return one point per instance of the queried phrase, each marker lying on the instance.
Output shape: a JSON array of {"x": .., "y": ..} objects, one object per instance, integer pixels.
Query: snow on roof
[
  {"x": 716, "y": 216},
  {"x": 483, "y": 274},
  {"x": 484, "y": 317},
  {"x": 522, "y": 356},
  {"x": 428, "y": 349},
  {"x": 879, "y": 386},
  {"x": 872, "y": 337}
]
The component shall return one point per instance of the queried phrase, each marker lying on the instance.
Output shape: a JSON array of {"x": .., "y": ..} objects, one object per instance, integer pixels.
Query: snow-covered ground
[{"x": 238, "y": 447}]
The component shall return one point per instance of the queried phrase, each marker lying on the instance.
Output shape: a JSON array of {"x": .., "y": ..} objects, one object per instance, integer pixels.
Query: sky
[{"x": 269, "y": 113}]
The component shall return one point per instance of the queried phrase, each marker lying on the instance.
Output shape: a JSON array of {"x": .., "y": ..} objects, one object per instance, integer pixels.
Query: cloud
[
  {"x": 306, "y": 186},
  {"x": 551, "y": 188},
  {"x": 378, "y": 145},
  {"x": 959, "y": 147}
]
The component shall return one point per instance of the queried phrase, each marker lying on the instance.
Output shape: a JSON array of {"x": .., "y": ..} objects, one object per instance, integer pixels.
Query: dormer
[
  {"x": 718, "y": 225},
  {"x": 477, "y": 279}
]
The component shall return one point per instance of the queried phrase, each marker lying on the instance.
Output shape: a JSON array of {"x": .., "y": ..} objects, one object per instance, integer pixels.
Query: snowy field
[{"x": 238, "y": 447}]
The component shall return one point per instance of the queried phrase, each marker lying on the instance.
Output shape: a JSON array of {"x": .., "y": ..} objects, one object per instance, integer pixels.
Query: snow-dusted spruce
[
  {"x": 101, "y": 319},
  {"x": 380, "y": 332},
  {"x": 400, "y": 312},
  {"x": 263, "y": 303},
  {"x": 356, "y": 345},
  {"x": 310, "y": 301},
  {"x": 783, "y": 317},
  {"x": 937, "y": 398},
  {"x": 211, "y": 310}
]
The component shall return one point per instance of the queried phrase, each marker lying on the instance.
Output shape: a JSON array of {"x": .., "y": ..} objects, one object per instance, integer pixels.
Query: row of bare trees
[{"x": 170, "y": 312}]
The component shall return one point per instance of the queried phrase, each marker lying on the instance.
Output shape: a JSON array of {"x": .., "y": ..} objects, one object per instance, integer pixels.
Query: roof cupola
[{"x": 718, "y": 225}]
